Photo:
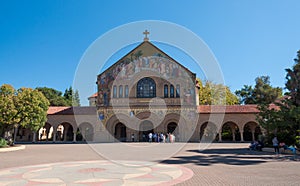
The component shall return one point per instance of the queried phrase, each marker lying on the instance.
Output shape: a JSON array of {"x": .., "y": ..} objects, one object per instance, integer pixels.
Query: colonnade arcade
[
  {"x": 239, "y": 128},
  {"x": 122, "y": 130},
  {"x": 61, "y": 132},
  {"x": 230, "y": 131}
]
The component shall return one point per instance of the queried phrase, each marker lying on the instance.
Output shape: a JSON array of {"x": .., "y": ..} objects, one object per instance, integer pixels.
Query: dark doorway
[
  {"x": 145, "y": 128},
  {"x": 120, "y": 132}
]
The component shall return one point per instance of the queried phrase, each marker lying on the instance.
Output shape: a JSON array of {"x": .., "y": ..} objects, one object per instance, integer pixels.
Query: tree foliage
[
  {"x": 23, "y": 107},
  {"x": 215, "y": 94},
  {"x": 56, "y": 98},
  {"x": 7, "y": 108},
  {"x": 285, "y": 120},
  {"x": 261, "y": 93},
  {"x": 71, "y": 97}
]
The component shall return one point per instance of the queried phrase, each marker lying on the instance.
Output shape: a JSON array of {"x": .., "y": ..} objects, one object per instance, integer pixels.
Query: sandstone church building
[{"x": 146, "y": 91}]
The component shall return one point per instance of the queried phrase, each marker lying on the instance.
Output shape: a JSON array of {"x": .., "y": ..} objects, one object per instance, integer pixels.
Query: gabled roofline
[{"x": 155, "y": 48}]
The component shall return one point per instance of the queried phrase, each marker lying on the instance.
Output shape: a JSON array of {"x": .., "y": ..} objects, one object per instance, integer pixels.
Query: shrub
[{"x": 3, "y": 143}]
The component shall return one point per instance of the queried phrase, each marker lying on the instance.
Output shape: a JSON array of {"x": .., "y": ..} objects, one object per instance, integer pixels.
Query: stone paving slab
[{"x": 216, "y": 164}]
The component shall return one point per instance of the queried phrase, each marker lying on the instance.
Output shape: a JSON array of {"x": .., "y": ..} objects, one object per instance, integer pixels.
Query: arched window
[
  {"x": 120, "y": 91},
  {"x": 177, "y": 91},
  {"x": 126, "y": 91},
  {"x": 146, "y": 88},
  {"x": 166, "y": 91},
  {"x": 171, "y": 91},
  {"x": 114, "y": 91}
]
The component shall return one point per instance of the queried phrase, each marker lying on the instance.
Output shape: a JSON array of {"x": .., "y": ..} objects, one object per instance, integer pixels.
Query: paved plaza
[{"x": 112, "y": 164}]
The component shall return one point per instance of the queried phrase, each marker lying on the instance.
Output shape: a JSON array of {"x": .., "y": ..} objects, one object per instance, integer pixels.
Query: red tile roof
[
  {"x": 94, "y": 95},
  {"x": 72, "y": 111},
  {"x": 53, "y": 110},
  {"x": 230, "y": 108},
  {"x": 204, "y": 109}
]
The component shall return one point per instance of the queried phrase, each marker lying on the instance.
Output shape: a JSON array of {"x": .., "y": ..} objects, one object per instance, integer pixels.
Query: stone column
[
  {"x": 74, "y": 136},
  {"x": 34, "y": 137},
  {"x": 128, "y": 134},
  {"x": 54, "y": 135},
  {"x": 233, "y": 136},
  {"x": 220, "y": 136},
  {"x": 65, "y": 132},
  {"x": 242, "y": 135},
  {"x": 253, "y": 132}
]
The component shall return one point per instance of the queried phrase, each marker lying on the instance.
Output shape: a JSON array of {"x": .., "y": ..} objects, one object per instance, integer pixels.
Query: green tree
[
  {"x": 54, "y": 96},
  {"x": 76, "y": 99},
  {"x": 215, "y": 94},
  {"x": 284, "y": 121},
  {"x": 25, "y": 107},
  {"x": 293, "y": 82},
  {"x": 32, "y": 107},
  {"x": 72, "y": 97},
  {"x": 7, "y": 108},
  {"x": 262, "y": 93}
]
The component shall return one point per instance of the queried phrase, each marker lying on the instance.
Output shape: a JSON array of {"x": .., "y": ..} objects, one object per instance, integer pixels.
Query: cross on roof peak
[{"x": 146, "y": 35}]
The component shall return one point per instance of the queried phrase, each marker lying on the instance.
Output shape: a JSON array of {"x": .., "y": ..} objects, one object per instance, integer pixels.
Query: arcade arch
[
  {"x": 230, "y": 132},
  {"x": 208, "y": 132},
  {"x": 251, "y": 131},
  {"x": 120, "y": 133},
  {"x": 85, "y": 132}
]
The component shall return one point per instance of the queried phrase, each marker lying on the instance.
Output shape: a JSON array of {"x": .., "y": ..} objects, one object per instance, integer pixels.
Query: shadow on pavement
[{"x": 239, "y": 157}]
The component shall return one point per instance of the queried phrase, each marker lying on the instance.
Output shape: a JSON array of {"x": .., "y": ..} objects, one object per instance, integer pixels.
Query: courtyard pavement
[{"x": 138, "y": 164}]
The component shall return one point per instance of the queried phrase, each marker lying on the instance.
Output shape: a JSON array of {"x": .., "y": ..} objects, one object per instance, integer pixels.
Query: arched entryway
[
  {"x": 208, "y": 132},
  {"x": 251, "y": 131},
  {"x": 120, "y": 132},
  {"x": 144, "y": 129},
  {"x": 172, "y": 128},
  {"x": 64, "y": 132},
  {"x": 85, "y": 132},
  {"x": 230, "y": 132},
  {"x": 46, "y": 133}
]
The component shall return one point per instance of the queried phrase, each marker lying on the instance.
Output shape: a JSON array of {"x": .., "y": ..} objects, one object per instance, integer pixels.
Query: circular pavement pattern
[{"x": 95, "y": 173}]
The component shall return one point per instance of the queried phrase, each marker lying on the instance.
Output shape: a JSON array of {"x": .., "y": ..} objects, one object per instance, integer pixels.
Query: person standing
[
  {"x": 275, "y": 145},
  {"x": 150, "y": 137},
  {"x": 132, "y": 137}
]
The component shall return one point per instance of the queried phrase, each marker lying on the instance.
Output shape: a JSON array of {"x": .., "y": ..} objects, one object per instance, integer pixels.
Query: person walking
[{"x": 275, "y": 145}]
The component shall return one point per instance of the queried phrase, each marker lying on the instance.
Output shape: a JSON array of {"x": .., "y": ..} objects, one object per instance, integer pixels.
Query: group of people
[
  {"x": 278, "y": 145},
  {"x": 256, "y": 145},
  {"x": 159, "y": 137}
]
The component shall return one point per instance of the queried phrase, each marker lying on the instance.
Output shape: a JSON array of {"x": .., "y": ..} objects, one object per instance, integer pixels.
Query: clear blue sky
[{"x": 41, "y": 42}]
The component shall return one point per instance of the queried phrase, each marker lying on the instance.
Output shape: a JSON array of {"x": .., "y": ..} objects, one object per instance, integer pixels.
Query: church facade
[{"x": 146, "y": 91}]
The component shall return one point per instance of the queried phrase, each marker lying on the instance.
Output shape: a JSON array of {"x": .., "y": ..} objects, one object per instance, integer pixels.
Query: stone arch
[
  {"x": 181, "y": 131},
  {"x": 120, "y": 132},
  {"x": 230, "y": 132},
  {"x": 85, "y": 132},
  {"x": 46, "y": 132},
  {"x": 114, "y": 120},
  {"x": 64, "y": 132},
  {"x": 208, "y": 132},
  {"x": 173, "y": 129},
  {"x": 145, "y": 128},
  {"x": 251, "y": 131}
]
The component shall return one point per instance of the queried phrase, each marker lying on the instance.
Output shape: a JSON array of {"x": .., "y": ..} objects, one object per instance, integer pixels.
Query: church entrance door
[
  {"x": 120, "y": 132},
  {"x": 145, "y": 128}
]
